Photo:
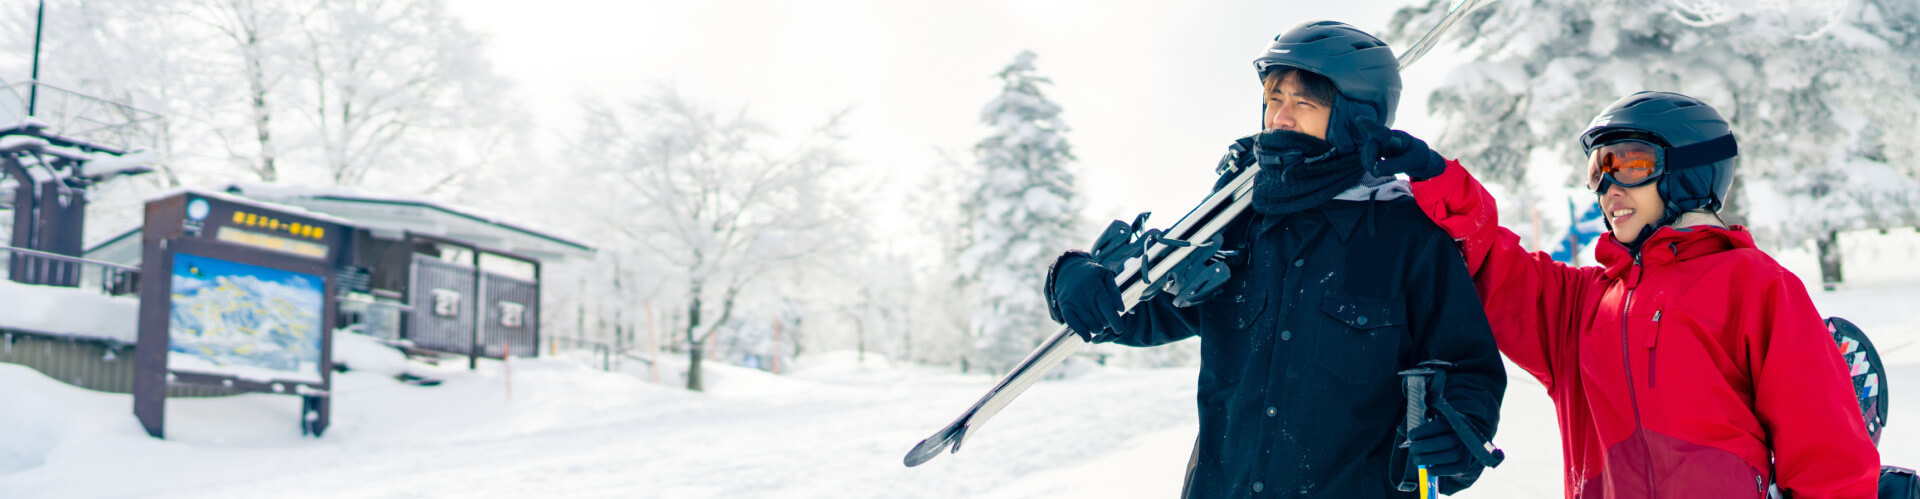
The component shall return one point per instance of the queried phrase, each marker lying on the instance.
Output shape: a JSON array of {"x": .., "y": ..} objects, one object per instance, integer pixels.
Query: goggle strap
[{"x": 1702, "y": 153}]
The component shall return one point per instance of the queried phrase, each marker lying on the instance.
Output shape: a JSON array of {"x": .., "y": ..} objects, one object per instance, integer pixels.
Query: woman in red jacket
[{"x": 1690, "y": 364}]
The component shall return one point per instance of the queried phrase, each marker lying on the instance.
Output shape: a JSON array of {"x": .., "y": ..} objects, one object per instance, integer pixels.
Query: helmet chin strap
[{"x": 1646, "y": 232}]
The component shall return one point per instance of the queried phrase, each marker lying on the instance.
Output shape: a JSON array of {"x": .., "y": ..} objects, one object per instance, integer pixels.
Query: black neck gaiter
[{"x": 1298, "y": 171}]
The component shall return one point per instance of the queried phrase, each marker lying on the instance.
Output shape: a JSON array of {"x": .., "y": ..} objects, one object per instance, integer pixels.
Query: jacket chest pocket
[
  {"x": 1236, "y": 309},
  {"x": 1361, "y": 342}
]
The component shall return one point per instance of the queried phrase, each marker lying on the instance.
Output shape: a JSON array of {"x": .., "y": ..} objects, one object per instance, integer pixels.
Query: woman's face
[
  {"x": 1632, "y": 209},
  {"x": 1289, "y": 108}
]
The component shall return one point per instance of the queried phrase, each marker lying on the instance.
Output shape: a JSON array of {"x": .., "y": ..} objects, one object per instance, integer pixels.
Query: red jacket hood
[{"x": 1671, "y": 244}]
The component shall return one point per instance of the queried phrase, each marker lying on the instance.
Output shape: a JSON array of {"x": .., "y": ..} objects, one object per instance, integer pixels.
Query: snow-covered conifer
[{"x": 1024, "y": 212}]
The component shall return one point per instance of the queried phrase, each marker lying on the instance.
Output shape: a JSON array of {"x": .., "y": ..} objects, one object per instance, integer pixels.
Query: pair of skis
[
  {"x": 1138, "y": 278},
  {"x": 1162, "y": 254}
]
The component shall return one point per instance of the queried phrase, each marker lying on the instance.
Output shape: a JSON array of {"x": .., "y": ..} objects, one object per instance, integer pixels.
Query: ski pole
[{"x": 1414, "y": 384}]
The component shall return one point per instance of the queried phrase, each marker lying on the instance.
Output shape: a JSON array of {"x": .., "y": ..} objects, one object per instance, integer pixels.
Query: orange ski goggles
[{"x": 1629, "y": 163}]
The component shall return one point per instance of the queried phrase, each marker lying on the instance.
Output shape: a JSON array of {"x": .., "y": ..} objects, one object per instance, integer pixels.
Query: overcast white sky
[{"x": 1153, "y": 91}]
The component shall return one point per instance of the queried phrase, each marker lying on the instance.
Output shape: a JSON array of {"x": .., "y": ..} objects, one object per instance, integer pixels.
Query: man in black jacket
[{"x": 1338, "y": 283}]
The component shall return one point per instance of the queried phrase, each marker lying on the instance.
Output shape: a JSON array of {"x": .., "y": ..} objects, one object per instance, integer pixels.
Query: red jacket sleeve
[
  {"x": 1804, "y": 397},
  {"x": 1534, "y": 303}
]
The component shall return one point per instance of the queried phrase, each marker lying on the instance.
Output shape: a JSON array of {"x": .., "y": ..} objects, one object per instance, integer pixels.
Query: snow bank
[
  {"x": 68, "y": 311},
  {"x": 60, "y": 441},
  {"x": 360, "y": 352},
  {"x": 719, "y": 379}
]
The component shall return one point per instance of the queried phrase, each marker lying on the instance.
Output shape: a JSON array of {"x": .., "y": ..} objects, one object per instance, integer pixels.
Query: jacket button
[
  {"x": 1241, "y": 324},
  {"x": 1286, "y": 335},
  {"x": 1272, "y": 411},
  {"x": 1362, "y": 320},
  {"x": 1299, "y": 262},
  {"x": 1257, "y": 486}
]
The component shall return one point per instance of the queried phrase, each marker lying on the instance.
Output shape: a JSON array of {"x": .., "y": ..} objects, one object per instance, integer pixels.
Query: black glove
[
  {"x": 1081, "y": 294},
  {"x": 1402, "y": 153},
  {"x": 1238, "y": 157},
  {"x": 1435, "y": 445}
]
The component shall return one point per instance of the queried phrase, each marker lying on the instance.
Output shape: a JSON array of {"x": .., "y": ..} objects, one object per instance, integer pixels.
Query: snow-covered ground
[{"x": 832, "y": 427}]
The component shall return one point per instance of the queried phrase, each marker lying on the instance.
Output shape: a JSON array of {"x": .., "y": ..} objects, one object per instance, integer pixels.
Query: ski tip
[
  {"x": 933, "y": 446},
  {"x": 923, "y": 452}
]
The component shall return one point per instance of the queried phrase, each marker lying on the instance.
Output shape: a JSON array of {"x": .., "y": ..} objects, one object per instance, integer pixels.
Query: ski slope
[{"x": 833, "y": 427}]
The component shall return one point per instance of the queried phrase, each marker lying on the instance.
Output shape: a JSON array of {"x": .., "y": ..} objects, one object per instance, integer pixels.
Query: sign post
[{"x": 237, "y": 294}]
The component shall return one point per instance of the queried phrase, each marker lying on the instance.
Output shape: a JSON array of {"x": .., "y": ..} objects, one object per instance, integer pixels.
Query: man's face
[{"x": 1289, "y": 108}]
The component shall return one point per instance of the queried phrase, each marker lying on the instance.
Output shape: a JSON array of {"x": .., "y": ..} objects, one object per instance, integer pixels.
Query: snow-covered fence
[
  {"x": 558, "y": 344},
  {"x": 99, "y": 364}
]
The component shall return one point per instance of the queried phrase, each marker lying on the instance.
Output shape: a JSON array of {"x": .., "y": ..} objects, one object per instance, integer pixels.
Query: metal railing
[
  {"x": 40, "y": 267},
  {"x": 609, "y": 356}
]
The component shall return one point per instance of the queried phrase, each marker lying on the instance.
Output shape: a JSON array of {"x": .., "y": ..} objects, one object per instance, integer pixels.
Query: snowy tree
[
  {"x": 384, "y": 75},
  {"x": 1821, "y": 94},
  {"x": 717, "y": 200},
  {"x": 940, "y": 312},
  {"x": 342, "y": 92},
  {"x": 879, "y": 305},
  {"x": 1024, "y": 212},
  {"x": 258, "y": 41}
]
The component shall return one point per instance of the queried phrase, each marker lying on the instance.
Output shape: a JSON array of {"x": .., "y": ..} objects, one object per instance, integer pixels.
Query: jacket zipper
[{"x": 1626, "y": 361}]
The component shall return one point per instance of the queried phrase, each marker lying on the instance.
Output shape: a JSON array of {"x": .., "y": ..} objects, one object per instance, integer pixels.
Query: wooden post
[
  {"x": 776, "y": 346},
  {"x": 475, "y": 350},
  {"x": 653, "y": 346}
]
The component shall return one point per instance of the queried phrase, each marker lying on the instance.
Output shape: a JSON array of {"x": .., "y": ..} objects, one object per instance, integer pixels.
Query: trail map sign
[{"x": 237, "y": 294}]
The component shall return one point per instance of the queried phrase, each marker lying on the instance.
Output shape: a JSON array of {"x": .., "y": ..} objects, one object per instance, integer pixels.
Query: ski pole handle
[
  {"x": 1414, "y": 385},
  {"x": 1414, "y": 381}
]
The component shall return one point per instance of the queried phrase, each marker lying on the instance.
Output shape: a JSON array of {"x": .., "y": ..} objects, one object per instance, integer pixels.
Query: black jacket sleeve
[
  {"x": 1157, "y": 322},
  {"x": 1449, "y": 324}
]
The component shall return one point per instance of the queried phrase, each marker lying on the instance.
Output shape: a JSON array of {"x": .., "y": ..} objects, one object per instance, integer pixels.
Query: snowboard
[{"x": 1868, "y": 373}]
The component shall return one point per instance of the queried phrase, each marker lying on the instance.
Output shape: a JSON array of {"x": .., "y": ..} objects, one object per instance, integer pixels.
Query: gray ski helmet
[
  {"x": 1361, "y": 66},
  {"x": 1700, "y": 147}
]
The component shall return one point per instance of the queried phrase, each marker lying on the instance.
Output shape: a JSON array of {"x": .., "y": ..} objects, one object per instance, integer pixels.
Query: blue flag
[{"x": 1583, "y": 226}]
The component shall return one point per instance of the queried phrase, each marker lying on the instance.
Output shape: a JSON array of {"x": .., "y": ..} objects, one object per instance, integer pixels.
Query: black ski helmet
[
  {"x": 1699, "y": 146},
  {"x": 1361, "y": 66}
]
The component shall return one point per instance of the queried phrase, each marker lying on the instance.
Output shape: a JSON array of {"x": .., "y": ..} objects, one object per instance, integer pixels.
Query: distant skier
[
  {"x": 1690, "y": 364},
  {"x": 1338, "y": 283}
]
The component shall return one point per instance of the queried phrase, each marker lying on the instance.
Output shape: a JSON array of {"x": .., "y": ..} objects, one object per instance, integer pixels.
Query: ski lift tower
[{"x": 56, "y": 145}]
